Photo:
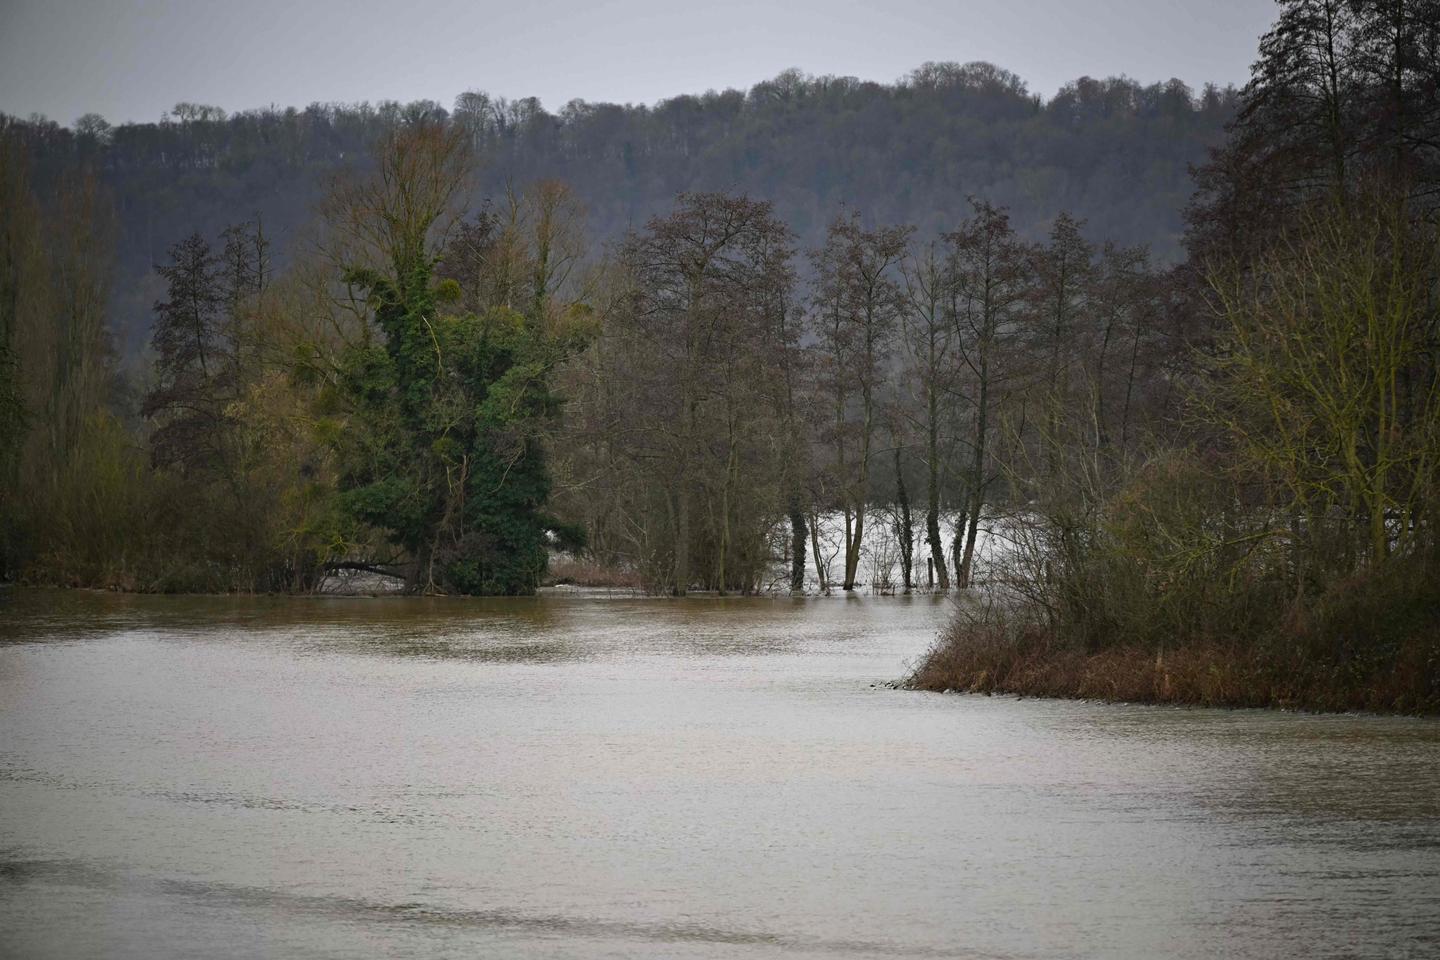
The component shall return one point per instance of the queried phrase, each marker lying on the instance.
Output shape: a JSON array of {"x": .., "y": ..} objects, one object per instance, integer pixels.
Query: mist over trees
[{"x": 1113, "y": 152}]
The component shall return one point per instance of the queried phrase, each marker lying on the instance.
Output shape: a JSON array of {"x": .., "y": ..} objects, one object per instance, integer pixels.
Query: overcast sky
[{"x": 134, "y": 59}]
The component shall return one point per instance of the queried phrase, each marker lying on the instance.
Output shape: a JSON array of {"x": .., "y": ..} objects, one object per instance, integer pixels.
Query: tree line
[
  {"x": 725, "y": 396},
  {"x": 404, "y": 398},
  {"x": 1112, "y": 151}
]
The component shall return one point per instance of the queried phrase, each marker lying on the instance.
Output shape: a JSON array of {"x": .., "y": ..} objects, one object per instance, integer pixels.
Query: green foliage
[{"x": 443, "y": 452}]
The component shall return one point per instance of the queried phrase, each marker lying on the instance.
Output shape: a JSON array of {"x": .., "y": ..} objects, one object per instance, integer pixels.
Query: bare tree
[
  {"x": 930, "y": 342},
  {"x": 858, "y": 304},
  {"x": 988, "y": 285},
  {"x": 707, "y": 281}
]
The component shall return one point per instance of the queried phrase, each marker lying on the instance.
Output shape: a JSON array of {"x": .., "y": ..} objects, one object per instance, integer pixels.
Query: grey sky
[{"x": 134, "y": 59}]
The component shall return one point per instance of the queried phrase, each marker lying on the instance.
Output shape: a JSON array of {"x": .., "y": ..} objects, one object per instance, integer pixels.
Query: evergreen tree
[{"x": 194, "y": 363}]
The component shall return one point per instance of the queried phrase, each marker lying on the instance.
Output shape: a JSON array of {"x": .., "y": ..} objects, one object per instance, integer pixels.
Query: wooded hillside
[{"x": 1114, "y": 153}]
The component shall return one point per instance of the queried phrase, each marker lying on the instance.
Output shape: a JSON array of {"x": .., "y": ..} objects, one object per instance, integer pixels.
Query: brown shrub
[{"x": 1299, "y": 669}]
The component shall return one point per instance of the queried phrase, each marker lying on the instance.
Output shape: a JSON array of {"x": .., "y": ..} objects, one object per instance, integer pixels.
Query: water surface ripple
[{"x": 580, "y": 776}]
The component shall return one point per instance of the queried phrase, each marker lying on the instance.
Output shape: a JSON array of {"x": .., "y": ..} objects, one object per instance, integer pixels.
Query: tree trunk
[
  {"x": 967, "y": 564},
  {"x": 852, "y": 551},
  {"x": 932, "y": 505},
  {"x": 852, "y": 546},
  {"x": 905, "y": 531},
  {"x": 822, "y": 576},
  {"x": 797, "y": 545},
  {"x": 1102, "y": 436},
  {"x": 977, "y": 476},
  {"x": 682, "y": 544},
  {"x": 1130, "y": 387},
  {"x": 957, "y": 548},
  {"x": 730, "y": 460}
]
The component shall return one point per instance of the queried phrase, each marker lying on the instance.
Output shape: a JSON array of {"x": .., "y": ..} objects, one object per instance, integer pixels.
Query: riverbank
[{"x": 992, "y": 658}]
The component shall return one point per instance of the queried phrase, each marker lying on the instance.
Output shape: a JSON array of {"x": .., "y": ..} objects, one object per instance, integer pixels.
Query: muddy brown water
[{"x": 581, "y": 776}]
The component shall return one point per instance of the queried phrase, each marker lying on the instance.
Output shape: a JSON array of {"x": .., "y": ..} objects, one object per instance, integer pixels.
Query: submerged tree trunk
[
  {"x": 965, "y": 564},
  {"x": 932, "y": 493},
  {"x": 852, "y": 549},
  {"x": 852, "y": 546},
  {"x": 797, "y": 545},
  {"x": 822, "y": 575},
  {"x": 904, "y": 526}
]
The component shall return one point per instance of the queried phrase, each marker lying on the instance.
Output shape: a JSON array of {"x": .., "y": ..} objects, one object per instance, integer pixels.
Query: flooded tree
[
  {"x": 857, "y": 305},
  {"x": 701, "y": 343},
  {"x": 930, "y": 346},
  {"x": 988, "y": 284}
]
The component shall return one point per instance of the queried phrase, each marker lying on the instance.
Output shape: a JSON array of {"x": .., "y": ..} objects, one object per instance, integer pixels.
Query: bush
[{"x": 1159, "y": 596}]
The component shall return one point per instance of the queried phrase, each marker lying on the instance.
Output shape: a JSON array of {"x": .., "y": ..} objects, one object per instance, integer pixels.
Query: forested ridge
[
  {"x": 807, "y": 334},
  {"x": 1113, "y": 152}
]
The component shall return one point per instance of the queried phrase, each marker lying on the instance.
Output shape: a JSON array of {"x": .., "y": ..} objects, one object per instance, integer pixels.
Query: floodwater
[{"x": 599, "y": 777}]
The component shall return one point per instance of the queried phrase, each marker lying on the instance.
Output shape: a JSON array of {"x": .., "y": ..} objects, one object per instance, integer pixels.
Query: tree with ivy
[{"x": 442, "y": 453}]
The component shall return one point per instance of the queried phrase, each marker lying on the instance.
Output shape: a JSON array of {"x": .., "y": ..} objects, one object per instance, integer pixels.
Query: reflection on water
[{"x": 575, "y": 776}]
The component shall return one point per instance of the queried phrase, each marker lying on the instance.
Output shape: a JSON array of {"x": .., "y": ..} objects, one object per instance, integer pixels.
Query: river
[{"x": 577, "y": 777}]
